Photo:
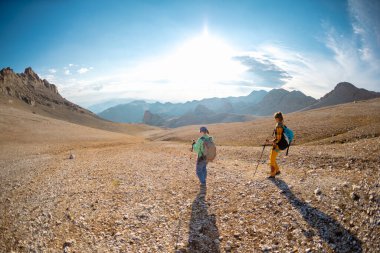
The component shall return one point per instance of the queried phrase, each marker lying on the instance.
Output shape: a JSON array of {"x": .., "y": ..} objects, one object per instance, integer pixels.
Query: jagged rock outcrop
[{"x": 31, "y": 89}]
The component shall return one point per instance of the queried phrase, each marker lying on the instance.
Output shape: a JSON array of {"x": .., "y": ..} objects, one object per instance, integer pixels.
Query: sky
[{"x": 96, "y": 51}]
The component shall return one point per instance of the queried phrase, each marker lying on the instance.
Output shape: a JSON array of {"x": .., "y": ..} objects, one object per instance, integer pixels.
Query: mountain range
[
  {"x": 210, "y": 110},
  {"x": 231, "y": 109},
  {"x": 44, "y": 98}
]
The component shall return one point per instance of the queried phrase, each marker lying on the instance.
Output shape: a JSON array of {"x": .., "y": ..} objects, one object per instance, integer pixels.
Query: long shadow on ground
[
  {"x": 331, "y": 231},
  {"x": 203, "y": 232}
]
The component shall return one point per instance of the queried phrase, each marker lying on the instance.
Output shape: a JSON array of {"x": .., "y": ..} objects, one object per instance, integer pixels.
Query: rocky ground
[{"x": 145, "y": 197}]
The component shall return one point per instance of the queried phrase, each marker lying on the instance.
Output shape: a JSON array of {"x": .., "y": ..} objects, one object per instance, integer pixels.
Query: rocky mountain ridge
[
  {"x": 31, "y": 89},
  {"x": 28, "y": 92}
]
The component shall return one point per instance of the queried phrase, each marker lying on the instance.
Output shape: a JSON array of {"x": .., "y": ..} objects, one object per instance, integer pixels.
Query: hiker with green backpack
[
  {"x": 283, "y": 138},
  {"x": 206, "y": 150}
]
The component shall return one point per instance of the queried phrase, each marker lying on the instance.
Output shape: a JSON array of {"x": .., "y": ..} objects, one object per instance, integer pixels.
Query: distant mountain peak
[
  {"x": 281, "y": 100},
  {"x": 345, "y": 85},
  {"x": 255, "y": 92},
  {"x": 30, "y": 73},
  {"x": 6, "y": 71},
  {"x": 344, "y": 92},
  {"x": 278, "y": 91}
]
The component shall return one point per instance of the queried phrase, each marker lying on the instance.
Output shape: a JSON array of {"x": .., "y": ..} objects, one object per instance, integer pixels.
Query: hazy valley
[{"x": 231, "y": 109}]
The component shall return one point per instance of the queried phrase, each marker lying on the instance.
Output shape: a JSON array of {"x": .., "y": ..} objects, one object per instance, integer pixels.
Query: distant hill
[
  {"x": 200, "y": 115},
  {"x": 128, "y": 113},
  {"x": 99, "y": 107},
  {"x": 343, "y": 93}
]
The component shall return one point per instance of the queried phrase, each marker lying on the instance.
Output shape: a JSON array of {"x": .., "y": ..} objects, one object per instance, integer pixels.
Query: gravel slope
[
  {"x": 145, "y": 197},
  {"x": 123, "y": 193}
]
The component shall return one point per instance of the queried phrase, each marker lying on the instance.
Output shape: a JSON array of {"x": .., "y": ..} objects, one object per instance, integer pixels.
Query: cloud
[
  {"x": 83, "y": 70},
  {"x": 263, "y": 72},
  {"x": 72, "y": 69},
  {"x": 274, "y": 66},
  {"x": 52, "y": 71},
  {"x": 97, "y": 87}
]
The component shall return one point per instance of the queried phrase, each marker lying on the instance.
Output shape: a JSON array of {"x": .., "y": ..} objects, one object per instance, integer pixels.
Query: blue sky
[{"x": 182, "y": 50}]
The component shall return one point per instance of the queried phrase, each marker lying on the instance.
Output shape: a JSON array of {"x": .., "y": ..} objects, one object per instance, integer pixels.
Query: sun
[
  {"x": 204, "y": 59},
  {"x": 198, "y": 65}
]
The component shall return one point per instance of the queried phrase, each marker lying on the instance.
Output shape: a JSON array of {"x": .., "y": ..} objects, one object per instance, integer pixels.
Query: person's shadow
[
  {"x": 329, "y": 230},
  {"x": 203, "y": 232}
]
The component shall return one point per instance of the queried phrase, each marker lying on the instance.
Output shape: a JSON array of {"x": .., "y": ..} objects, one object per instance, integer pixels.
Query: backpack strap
[
  {"x": 287, "y": 150},
  {"x": 203, "y": 139},
  {"x": 278, "y": 125}
]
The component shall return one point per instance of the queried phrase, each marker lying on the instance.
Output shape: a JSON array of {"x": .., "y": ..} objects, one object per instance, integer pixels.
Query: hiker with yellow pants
[{"x": 278, "y": 140}]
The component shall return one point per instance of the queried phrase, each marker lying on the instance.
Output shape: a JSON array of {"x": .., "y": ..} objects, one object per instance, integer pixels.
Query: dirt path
[{"x": 146, "y": 198}]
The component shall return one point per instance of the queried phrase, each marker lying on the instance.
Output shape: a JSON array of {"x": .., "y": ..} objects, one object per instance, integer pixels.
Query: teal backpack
[
  {"x": 288, "y": 134},
  {"x": 286, "y": 139}
]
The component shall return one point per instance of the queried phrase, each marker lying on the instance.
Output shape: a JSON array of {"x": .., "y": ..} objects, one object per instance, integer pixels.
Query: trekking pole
[
  {"x": 192, "y": 148},
  {"x": 258, "y": 162}
]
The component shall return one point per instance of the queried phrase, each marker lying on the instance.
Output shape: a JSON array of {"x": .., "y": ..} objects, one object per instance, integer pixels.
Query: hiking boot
[
  {"x": 278, "y": 173},
  {"x": 271, "y": 177}
]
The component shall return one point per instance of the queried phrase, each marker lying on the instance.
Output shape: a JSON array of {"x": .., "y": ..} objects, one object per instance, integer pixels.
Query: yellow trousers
[{"x": 273, "y": 164}]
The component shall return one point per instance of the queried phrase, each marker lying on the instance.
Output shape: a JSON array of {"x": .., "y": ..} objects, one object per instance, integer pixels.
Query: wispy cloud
[
  {"x": 354, "y": 58},
  {"x": 365, "y": 24},
  {"x": 52, "y": 71},
  {"x": 66, "y": 72}
]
